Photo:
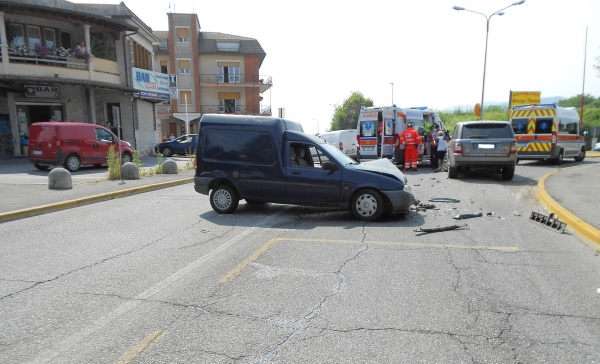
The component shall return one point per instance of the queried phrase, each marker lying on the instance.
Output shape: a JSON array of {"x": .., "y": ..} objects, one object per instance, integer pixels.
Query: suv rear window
[
  {"x": 240, "y": 146},
  {"x": 483, "y": 131}
]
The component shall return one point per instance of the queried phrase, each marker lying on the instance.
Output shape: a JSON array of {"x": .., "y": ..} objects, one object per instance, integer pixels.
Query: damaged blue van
[{"x": 271, "y": 160}]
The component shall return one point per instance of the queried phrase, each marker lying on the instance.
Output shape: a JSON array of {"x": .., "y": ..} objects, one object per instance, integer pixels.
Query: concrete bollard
[
  {"x": 59, "y": 179},
  {"x": 170, "y": 167},
  {"x": 130, "y": 170}
]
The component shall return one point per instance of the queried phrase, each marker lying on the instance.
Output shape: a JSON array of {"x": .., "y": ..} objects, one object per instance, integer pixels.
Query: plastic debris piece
[
  {"x": 551, "y": 222},
  {"x": 443, "y": 199},
  {"x": 467, "y": 216},
  {"x": 439, "y": 229}
]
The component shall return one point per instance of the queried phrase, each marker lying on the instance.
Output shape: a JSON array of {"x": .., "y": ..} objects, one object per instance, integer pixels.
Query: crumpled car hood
[{"x": 382, "y": 166}]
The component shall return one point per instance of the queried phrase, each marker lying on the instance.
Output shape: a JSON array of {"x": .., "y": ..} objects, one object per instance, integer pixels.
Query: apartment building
[
  {"x": 49, "y": 73},
  {"x": 140, "y": 83},
  {"x": 210, "y": 73}
]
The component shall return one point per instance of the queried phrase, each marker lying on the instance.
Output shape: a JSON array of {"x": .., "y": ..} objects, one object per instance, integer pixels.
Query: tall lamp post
[
  {"x": 318, "y": 128},
  {"x": 487, "y": 32},
  {"x": 391, "y": 83}
]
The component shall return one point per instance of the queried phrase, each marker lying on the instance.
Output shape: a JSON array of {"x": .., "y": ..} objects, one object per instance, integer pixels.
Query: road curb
[
  {"x": 581, "y": 227},
  {"x": 44, "y": 209}
]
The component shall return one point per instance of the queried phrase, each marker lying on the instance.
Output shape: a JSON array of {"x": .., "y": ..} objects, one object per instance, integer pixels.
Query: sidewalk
[
  {"x": 23, "y": 199},
  {"x": 573, "y": 194}
]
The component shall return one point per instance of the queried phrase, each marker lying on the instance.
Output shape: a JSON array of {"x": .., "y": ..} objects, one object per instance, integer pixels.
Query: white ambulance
[{"x": 548, "y": 132}]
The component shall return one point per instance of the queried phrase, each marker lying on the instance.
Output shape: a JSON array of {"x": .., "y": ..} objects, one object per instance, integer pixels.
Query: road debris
[
  {"x": 439, "y": 229},
  {"x": 551, "y": 222},
  {"x": 467, "y": 216},
  {"x": 443, "y": 199}
]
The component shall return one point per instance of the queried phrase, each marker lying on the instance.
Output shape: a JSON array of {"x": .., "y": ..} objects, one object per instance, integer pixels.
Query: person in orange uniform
[{"x": 411, "y": 140}]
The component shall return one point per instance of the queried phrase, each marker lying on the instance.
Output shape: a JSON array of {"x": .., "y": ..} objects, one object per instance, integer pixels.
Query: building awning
[
  {"x": 187, "y": 116},
  {"x": 16, "y": 83}
]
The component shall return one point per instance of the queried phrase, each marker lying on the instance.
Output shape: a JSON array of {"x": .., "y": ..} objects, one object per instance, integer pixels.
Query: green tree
[{"x": 346, "y": 115}]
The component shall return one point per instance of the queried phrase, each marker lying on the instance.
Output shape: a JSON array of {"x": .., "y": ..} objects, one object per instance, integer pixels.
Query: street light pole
[
  {"x": 391, "y": 83},
  {"x": 487, "y": 33}
]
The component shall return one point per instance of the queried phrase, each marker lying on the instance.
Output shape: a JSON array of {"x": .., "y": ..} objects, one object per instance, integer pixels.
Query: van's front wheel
[
  {"x": 224, "y": 199},
  {"x": 367, "y": 205},
  {"x": 72, "y": 163}
]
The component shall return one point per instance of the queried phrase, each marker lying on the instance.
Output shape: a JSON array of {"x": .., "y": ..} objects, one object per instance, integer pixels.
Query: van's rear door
[{"x": 42, "y": 142}]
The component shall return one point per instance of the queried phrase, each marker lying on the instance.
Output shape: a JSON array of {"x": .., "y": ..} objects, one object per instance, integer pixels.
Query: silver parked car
[{"x": 482, "y": 145}]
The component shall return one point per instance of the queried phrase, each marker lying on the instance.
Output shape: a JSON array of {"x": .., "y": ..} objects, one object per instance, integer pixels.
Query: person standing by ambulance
[{"x": 411, "y": 140}]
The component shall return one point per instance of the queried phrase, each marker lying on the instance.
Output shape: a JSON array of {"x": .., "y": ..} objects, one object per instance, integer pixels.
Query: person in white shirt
[{"x": 441, "y": 150}]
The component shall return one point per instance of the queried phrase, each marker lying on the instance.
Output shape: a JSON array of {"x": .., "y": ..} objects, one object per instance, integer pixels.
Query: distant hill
[{"x": 545, "y": 100}]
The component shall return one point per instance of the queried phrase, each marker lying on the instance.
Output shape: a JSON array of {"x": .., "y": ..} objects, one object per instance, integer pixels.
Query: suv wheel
[
  {"x": 72, "y": 163},
  {"x": 508, "y": 173},
  {"x": 367, "y": 205},
  {"x": 224, "y": 199}
]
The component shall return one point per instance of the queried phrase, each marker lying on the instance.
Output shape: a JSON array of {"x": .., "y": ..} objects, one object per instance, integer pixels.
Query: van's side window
[
  {"x": 104, "y": 136},
  {"x": 240, "y": 146}
]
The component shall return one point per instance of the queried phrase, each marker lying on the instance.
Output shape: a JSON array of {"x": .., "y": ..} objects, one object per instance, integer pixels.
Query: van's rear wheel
[
  {"x": 224, "y": 199},
  {"x": 367, "y": 205},
  {"x": 559, "y": 160},
  {"x": 72, "y": 163},
  {"x": 581, "y": 156},
  {"x": 40, "y": 167},
  {"x": 126, "y": 157}
]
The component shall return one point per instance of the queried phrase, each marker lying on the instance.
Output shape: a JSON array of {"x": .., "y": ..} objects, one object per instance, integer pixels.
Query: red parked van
[{"x": 72, "y": 145}]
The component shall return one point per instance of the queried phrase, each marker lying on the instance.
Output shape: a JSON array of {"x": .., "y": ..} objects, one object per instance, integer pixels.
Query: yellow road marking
[
  {"x": 252, "y": 258},
  {"x": 142, "y": 346}
]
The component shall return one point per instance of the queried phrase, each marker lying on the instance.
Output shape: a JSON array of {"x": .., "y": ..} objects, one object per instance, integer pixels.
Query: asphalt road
[{"x": 160, "y": 277}]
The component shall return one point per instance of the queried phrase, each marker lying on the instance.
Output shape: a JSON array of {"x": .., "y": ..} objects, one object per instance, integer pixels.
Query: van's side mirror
[{"x": 332, "y": 167}]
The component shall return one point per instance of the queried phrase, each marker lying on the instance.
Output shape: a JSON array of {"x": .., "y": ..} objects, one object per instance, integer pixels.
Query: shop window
[{"x": 113, "y": 118}]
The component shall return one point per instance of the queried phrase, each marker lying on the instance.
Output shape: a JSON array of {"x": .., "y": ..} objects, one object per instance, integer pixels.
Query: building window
[
  {"x": 229, "y": 102},
  {"x": 142, "y": 57},
  {"x": 185, "y": 97},
  {"x": 184, "y": 66},
  {"x": 228, "y": 47},
  {"x": 50, "y": 38},
  {"x": 183, "y": 34},
  {"x": 229, "y": 74},
  {"x": 34, "y": 37},
  {"x": 15, "y": 34},
  {"x": 163, "y": 67},
  {"x": 65, "y": 39}
]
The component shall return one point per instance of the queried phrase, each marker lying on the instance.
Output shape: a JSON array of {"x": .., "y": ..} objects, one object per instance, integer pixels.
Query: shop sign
[{"x": 42, "y": 91}]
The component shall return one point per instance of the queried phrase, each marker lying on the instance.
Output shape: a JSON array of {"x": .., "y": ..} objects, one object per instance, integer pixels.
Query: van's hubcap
[{"x": 222, "y": 199}]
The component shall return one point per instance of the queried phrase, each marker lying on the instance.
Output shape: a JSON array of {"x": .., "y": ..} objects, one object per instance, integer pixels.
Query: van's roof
[{"x": 228, "y": 119}]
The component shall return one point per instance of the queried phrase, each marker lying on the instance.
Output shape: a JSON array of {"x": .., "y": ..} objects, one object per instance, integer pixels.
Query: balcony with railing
[
  {"x": 237, "y": 110},
  {"x": 61, "y": 64},
  {"x": 245, "y": 80}
]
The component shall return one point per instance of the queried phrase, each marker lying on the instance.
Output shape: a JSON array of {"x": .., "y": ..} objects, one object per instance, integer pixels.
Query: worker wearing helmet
[{"x": 411, "y": 140}]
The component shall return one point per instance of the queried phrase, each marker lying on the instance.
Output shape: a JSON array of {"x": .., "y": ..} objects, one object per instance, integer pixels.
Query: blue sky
[{"x": 318, "y": 52}]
